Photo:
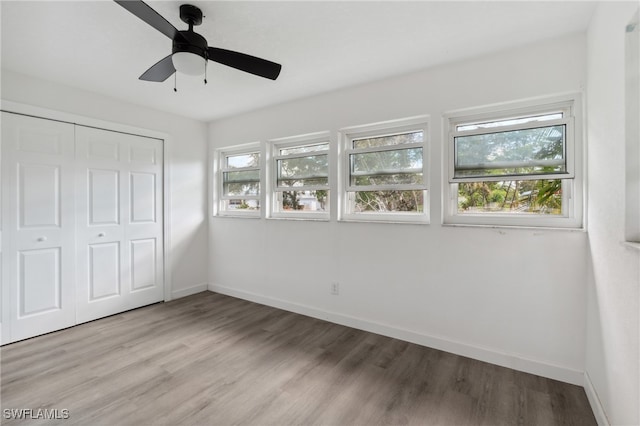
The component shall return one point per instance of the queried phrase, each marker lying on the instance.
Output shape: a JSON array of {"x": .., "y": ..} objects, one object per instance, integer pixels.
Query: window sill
[
  {"x": 301, "y": 218},
  {"x": 632, "y": 245},
  {"x": 399, "y": 219},
  {"x": 240, "y": 216},
  {"x": 515, "y": 227}
]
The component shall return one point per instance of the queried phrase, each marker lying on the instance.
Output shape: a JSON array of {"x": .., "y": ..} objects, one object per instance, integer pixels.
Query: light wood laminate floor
[{"x": 210, "y": 359}]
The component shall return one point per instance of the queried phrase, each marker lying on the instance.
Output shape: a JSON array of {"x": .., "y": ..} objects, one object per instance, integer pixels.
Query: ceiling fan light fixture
[{"x": 188, "y": 63}]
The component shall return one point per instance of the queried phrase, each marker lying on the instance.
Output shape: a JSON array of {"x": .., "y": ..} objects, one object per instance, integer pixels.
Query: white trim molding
[
  {"x": 594, "y": 401},
  {"x": 184, "y": 292}
]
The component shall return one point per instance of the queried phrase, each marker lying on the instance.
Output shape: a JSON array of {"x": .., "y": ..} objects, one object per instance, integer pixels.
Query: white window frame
[
  {"x": 273, "y": 149},
  {"x": 632, "y": 131},
  {"x": 572, "y": 182},
  {"x": 220, "y": 156},
  {"x": 387, "y": 128}
]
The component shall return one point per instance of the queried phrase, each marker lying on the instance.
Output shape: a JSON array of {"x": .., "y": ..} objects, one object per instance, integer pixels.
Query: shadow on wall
[
  {"x": 189, "y": 226},
  {"x": 596, "y": 347}
]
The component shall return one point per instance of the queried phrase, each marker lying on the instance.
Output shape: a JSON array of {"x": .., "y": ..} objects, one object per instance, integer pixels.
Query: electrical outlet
[{"x": 335, "y": 288}]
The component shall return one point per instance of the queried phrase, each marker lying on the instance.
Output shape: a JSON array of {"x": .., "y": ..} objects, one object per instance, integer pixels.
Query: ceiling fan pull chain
[
  {"x": 205, "y": 72},
  {"x": 175, "y": 82}
]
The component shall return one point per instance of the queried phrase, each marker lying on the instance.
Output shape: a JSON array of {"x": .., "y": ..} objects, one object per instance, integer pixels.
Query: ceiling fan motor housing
[{"x": 190, "y": 42}]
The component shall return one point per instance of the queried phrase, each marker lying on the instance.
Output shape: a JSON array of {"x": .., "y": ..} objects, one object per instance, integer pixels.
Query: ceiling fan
[{"x": 190, "y": 51}]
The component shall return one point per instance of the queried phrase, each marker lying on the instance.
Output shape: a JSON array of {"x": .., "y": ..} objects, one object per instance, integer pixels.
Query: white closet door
[
  {"x": 144, "y": 226},
  {"x": 119, "y": 231},
  {"x": 39, "y": 220}
]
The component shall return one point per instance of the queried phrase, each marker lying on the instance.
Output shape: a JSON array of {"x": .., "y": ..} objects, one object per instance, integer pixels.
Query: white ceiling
[{"x": 323, "y": 46}]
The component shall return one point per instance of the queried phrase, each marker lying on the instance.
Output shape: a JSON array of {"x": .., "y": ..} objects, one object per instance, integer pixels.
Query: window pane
[
  {"x": 304, "y": 201},
  {"x": 508, "y": 122},
  {"x": 241, "y": 176},
  {"x": 388, "y": 179},
  {"x": 304, "y": 149},
  {"x": 518, "y": 152},
  {"x": 387, "y": 162},
  {"x": 320, "y": 181},
  {"x": 243, "y": 160},
  {"x": 241, "y": 205},
  {"x": 312, "y": 168},
  {"x": 513, "y": 197},
  {"x": 388, "y": 201},
  {"x": 412, "y": 137},
  {"x": 244, "y": 188},
  {"x": 246, "y": 182}
]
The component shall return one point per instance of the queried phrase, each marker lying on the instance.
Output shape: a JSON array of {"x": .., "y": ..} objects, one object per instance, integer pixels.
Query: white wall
[
  {"x": 515, "y": 297},
  {"x": 187, "y": 164},
  {"x": 613, "y": 332}
]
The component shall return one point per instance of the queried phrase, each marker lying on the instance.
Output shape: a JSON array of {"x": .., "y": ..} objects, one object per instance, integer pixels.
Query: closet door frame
[{"x": 45, "y": 113}]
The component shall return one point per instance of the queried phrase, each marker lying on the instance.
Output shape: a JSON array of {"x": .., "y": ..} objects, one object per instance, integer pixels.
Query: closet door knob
[
  {"x": 40, "y": 239},
  {"x": 102, "y": 234}
]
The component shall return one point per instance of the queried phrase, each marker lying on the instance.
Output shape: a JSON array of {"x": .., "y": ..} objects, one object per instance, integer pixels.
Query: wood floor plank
[{"x": 210, "y": 359}]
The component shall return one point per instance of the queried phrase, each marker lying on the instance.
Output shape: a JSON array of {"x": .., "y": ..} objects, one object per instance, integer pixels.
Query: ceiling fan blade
[
  {"x": 244, "y": 62},
  {"x": 161, "y": 71},
  {"x": 150, "y": 16}
]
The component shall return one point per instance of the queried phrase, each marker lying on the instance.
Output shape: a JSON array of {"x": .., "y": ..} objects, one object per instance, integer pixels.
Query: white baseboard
[
  {"x": 513, "y": 361},
  {"x": 594, "y": 401},
  {"x": 183, "y": 292}
]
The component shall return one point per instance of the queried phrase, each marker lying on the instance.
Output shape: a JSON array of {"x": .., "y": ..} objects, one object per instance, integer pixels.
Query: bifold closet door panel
[
  {"x": 145, "y": 222},
  {"x": 38, "y": 225},
  {"x": 119, "y": 222}
]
